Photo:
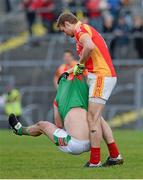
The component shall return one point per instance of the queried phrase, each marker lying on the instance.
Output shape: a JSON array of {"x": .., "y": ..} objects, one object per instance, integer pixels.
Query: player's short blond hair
[
  {"x": 68, "y": 51},
  {"x": 71, "y": 18}
]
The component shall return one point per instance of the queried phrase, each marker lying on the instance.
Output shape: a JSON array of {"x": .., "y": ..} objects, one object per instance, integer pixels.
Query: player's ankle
[
  {"x": 22, "y": 131},
  {"x": 19, "y": 131},
  {"x": 95, "y": 155},
  {"x": 113, "y": 150}
]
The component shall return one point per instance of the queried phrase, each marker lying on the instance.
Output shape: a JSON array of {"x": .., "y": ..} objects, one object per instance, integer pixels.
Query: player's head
[
  {"x": 68, "y": 56},
  {"x": 66, "y": 23}
]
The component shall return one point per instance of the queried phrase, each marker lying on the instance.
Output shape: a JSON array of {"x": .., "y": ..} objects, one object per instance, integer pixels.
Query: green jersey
[{"x": 70, "y": 94}]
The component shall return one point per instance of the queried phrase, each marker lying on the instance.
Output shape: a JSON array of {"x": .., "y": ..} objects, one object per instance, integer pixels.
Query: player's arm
[
  {"x": 57, "y": 118},
  {"x": 70, "y": 70},
  {"x": 55, "y": 80},
  {"x": 88, "y": 47},
  {"x": 56, "y": 77}
]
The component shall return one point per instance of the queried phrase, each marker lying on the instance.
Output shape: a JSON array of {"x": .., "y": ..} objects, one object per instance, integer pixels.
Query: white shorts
[
  {"x": 100, "y": 87},
  {"x": 74, "y": 146}
]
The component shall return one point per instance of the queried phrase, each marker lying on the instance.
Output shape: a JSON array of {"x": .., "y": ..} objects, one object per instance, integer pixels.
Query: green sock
[{"x": 23, "y": 131}]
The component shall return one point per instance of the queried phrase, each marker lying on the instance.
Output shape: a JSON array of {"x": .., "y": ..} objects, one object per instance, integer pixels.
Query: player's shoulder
[
  {"x": 61, "y": 67},
  {"x": 80, "y": 28}
]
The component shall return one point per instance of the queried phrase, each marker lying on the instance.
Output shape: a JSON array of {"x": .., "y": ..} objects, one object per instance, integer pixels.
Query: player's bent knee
[
  {"x": 40, "y": 123},
  {"x": 43, "y": 124}
]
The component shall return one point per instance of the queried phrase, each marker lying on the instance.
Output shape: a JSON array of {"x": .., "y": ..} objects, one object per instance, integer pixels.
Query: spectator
[
  {"x": 94, "y": 12},
  {"x": 108, "y": 24},
  {"x": 30, "y": 15},
  {"x": 8, "y": 7},
  {"x": 2, "y": 98},
  {"x": 114, "y": 8},
  {"x": 108, "y": 27},
  {"x": 128, "y": 19},
  {"x": 138, "y": 30},
  {"x": 59, "y": 8},
  {"x": 69, "y": 5},
  {"x": 125, "y": 2},
  {"x": 121, "y": 34},
  {"x": 126, "y": 11},
  {"x": 46, "y": 10},
  {"x": 69, "y": 62},
  {"x": 76, "y": 7},
  {"x": 12, "y": 102}
]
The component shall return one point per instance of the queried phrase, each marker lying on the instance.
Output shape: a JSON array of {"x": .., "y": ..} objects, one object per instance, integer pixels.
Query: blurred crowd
[{"x": 119, "y": 17}]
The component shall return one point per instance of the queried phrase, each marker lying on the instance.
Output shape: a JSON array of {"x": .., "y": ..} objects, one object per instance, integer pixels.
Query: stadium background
[{"x": 29, "y": 58}]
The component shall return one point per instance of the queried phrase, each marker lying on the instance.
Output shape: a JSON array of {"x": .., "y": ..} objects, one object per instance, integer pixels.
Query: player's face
[
  {"x": 67, "y": 29},
  {"x": 68, "y": 57}
]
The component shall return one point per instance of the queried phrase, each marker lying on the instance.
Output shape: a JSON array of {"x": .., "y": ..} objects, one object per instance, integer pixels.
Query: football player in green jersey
[{"x": 70, "y": 113}]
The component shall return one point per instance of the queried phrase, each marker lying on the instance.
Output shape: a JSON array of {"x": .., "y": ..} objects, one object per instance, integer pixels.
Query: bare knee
[
  {"x": 44, "y": 125},
  {"x": 41, "y": 124},
  {"x": 94, "y": 112}
]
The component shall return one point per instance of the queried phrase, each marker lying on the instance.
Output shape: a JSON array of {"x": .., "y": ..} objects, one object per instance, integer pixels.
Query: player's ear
[{"x": 67, "y": 23}]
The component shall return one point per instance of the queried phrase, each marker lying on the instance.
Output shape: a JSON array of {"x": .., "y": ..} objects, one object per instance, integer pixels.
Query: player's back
[
  {"x": 72, "y": 100},
  {"x": 76, "y": 124}
]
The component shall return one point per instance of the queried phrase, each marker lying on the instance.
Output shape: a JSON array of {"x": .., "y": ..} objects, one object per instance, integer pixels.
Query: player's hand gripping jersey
[
  {"x": 71, "y": 93},
  {"x": 100, "y": 61}
]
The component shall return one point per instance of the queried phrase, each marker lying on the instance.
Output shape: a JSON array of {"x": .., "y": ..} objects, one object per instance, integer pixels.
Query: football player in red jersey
[
  {"x": 95, "y": 57},
  {"x": 69, "y": 62}
]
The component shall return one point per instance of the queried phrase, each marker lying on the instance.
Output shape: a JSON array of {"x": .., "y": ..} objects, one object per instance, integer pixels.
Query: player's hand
[
  {"x": 64, "y": 75},
  {"x": 78, "y": 69}
]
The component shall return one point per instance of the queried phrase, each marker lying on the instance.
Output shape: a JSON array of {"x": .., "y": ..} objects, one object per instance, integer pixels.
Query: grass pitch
[{"x": 28, "y": 157}]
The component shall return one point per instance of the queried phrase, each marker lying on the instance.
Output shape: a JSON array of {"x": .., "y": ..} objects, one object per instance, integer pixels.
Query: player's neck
[{"x": 77, "y": 25}]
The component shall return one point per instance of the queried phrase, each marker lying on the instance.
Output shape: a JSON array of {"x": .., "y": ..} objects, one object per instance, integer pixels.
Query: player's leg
[
  {"x": 93, "y": 117},
  {"x": 60, "y": 137},
  {"x": 31, "y": 130},
  {"x": 100, "y": 89},
  {"x": 47, "y": 129},
  {"x": 107, "y": 132},
  {"x": 18, "y": 129},
  {"x": 115, "y": 157},
  {"x": 37, "y": 129}
]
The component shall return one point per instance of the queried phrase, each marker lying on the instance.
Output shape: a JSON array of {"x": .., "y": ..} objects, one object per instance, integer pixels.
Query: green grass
[{"x": 28, "y": 157}]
